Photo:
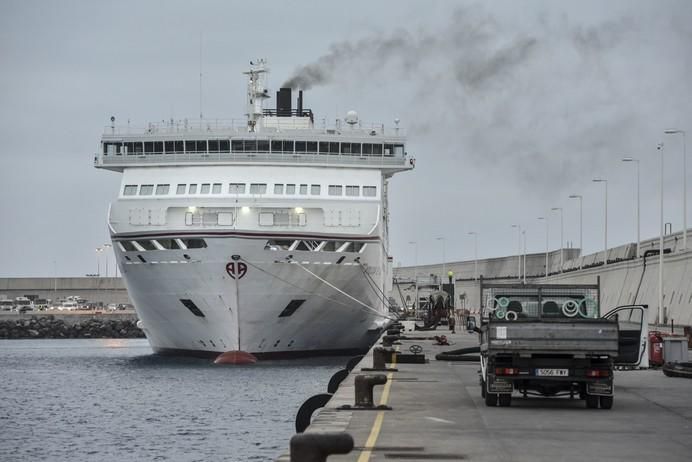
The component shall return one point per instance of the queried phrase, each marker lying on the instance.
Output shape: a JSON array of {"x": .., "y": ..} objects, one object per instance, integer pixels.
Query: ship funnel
[{"x": 284, "y": 103}]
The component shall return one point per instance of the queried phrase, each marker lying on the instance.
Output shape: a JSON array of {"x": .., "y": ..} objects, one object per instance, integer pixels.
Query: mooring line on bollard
[{"x": 377, "y": 425}]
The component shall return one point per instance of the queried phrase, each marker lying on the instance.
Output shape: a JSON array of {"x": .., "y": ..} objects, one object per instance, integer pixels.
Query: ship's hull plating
[{"x": 260, "y": 303}]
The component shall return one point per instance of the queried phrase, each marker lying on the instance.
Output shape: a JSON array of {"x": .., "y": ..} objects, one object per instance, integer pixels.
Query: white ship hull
[{"x": 244, "y": 313}]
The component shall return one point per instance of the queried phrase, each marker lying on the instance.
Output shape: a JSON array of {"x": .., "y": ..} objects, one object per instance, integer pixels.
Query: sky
[{"x": 509, "y": 107}]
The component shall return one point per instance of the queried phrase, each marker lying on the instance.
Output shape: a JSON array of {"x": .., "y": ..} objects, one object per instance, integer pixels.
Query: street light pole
[
  {"x": 562, "y": 238},
  {"x": 518, "y": 250},
  {"x": 107, "y": 249},
  {"x": 98, "y": 261},
  {"x": 605, "y": 243},
  {"x": 581, "y": 223},
  {"x": 546, "y": 244},
  {"x": 630, "y": 159},
  {"x": 660, "y": 245},
  {"x": 444, "y": 267},
  {"x": 684, "y": 186},
  {"x": 524, "y": 234},
  {"x": 475, "y": 254}
]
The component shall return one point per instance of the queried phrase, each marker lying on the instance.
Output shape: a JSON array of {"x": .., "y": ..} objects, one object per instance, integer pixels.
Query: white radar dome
[{"x": 351, "y": 117}]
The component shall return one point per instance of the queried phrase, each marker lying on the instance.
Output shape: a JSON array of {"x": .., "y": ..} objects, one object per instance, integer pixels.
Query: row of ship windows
[
  {"x": 255, "y": 188},
  {"x": 273, "y": 146},
  {"x": 144, "y": 245}
]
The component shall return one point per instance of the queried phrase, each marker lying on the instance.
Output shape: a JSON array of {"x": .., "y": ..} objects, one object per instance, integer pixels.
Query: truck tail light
[
  {"x": 597, "y": 373},
  {"x": 506, "y": 371}
]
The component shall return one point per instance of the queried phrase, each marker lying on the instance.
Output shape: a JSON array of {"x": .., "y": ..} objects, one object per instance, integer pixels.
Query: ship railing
[{"x": 114, "y": 160}]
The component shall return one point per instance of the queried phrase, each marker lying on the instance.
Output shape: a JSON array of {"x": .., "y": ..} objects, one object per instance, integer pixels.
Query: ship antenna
[
  {"x": 256, "y": 92},
  {"x": 200, "y": 76}
]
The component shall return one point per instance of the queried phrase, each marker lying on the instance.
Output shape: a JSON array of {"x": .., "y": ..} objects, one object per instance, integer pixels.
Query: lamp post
[
  {"x": 684, "y": 186},
  {"x": 562, "y": 239},
  {"x": 107, "y": 250},
  {"x": 415, "y": 271},
  {"x": 98, "y": 261},
  {"x": 444, "y": 267},
  {"x": 546, "y": 244},
  {"x": 523, "y": 233},
  {"x": 518, "y": 251},
  {"x": 581, "y": 221},
  {"x": 630, "y": 159},
  {"x": 605, "y": 242},
  {"x": 475, "y": 254},
  {"x": 660, "y": 244}
]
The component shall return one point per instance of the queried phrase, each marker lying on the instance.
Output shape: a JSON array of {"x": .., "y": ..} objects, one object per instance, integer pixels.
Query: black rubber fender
[
  {"x": 353, "y": 362},
  {"x": 681, "y": 370},
  {"x": 304, "y": 415},
  {"x": 461, "y": 354},
  {"x": 336, "y": 380}
]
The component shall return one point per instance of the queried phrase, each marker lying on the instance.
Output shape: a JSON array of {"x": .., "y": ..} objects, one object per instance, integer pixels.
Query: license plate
[{"x": 552, "y": 372}]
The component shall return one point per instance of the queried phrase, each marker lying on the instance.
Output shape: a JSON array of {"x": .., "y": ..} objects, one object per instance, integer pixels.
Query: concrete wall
[{"x": 94, "y": 289}]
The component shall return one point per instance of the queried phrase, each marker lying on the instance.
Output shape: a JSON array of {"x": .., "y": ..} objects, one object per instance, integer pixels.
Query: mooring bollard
[
  {"x": 364, "y": 385},
  {"x": 388, "y": 340},
  {"x": 315, "y": 447},
  {"x": 380, "y": 357}
]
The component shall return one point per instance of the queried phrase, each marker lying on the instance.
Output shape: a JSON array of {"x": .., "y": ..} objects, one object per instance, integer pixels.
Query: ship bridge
[{"x": 267, "y": 137}]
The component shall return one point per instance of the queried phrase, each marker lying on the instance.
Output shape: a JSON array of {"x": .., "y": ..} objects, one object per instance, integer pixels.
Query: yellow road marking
[{"x": 377, "y": 425}]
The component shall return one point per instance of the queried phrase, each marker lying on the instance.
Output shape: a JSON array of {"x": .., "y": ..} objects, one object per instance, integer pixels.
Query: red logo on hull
[{"x": 236, "y": 270}]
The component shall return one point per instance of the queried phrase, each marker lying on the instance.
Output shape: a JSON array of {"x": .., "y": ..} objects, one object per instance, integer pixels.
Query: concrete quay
[{"x": 438, "y": 414}]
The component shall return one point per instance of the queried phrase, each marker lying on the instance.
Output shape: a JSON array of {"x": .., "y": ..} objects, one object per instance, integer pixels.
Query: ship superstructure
[{"x": 267, "y": 235}]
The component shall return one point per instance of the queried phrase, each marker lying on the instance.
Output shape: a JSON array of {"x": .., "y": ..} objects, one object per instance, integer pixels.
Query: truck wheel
[
  {"x": 490, "y": 399},
  {"x": 505, "y": 399},
  {"x": 592, "y": 401},
  {"x": 606, "y": 402}
]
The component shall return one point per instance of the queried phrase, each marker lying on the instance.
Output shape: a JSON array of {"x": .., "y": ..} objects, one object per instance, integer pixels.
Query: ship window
[
  {"x": 353, "y": 190},
  {"x": 278, "y": 188},
  {"x": 290, "y": 189},
  {"x": 237, "y": 145},
  {"x": 388, "y": 149},
  {"x": 194, "y": 243},
  {"x": 205, "y": 188},
  {"x": 146, "y": 245},
  {"x": 276, "y": 146},
  {"x": 369, "y": 191},
  {"x": 141, "y": 258},
  {"x": 180, "y": 189},
  {"x": 225, "y": 218},
  {"x": 345, "y": 148},
  {"x": 355, "y": 148},
  {"x": 377, "y": 149},
  {"x": 367, "y": 148},
  {"x": 315, "y": 190},
  {"x": 180, "y": 146},
  {"x": 190, "y": 146},
  {"x": 324, "y": 147},
  {"x": 170, "y": 146},
  {"x": 148, "y": 146},
  {"x": 333, "y": 147},
  {"x": 213, "y": 145},
  {"x": 224, "y": 146},
  {"x": 335, "y": 190},
  {"x": 258, "y": 188},
  {"x": 262, "y": 145},
  {"x": 202, "y": 146},
  {"x": 162, "y": 189},
  {"x": 358, "y": 247},
  {"x": 300, "y": 146},
  {"x": 169, "y": 244},
  {"x": 216, "y": 188},
  {"x": 303, "y": 189},
  {"x": 130, "y": 190},
  {"x": 193, "y": 189},
  {"x": 236, "y": 188},
  {"x": 127, "y": 246},
  {"x": 398, "y": 150},
  {"x": 146, "y": 190},
  {"x": 311, "y": 147},
  {"x": 250, "y": 145},
  {"x": 291, "y": 308},
  {"x": 288, "y": 146},
  {"x": 190, "y": 305},
  {"x": 158, "y": 147}
]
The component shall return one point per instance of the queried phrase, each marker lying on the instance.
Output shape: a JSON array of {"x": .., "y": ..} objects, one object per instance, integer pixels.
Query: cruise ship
[{"x": 266, "y": 235}]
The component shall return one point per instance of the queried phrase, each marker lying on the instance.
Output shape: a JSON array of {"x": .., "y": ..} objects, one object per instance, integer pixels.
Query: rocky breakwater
[{"x": 49, "y": 327}]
